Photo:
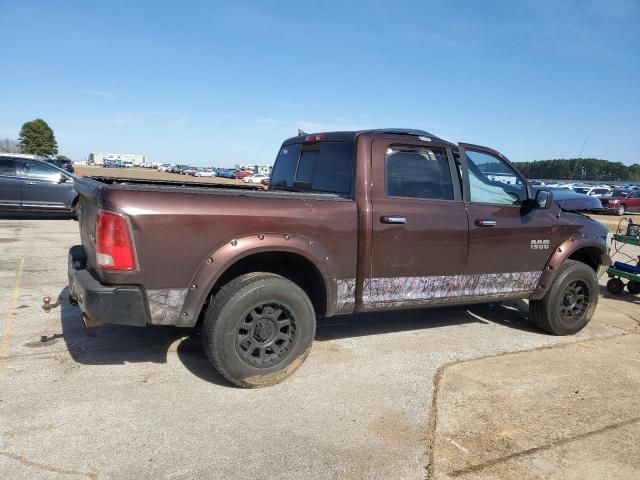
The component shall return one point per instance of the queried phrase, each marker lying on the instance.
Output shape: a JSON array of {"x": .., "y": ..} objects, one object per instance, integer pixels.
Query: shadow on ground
[
  {"x": 116, "y": 344},
  {"x": 36, "y": 216}
]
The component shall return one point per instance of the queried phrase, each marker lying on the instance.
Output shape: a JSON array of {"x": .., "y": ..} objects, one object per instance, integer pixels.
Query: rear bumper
[{"x": 118, "y": 304}]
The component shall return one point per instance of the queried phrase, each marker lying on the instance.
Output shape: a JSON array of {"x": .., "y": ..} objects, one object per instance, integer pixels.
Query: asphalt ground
[{"x": 126, "y": 402}]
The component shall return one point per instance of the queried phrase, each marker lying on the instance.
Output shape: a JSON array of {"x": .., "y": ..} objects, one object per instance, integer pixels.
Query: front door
[
  {"x": 42, "y": 186},
  {"x": 633, "y": 201},
  {"x": 509, "y": 240},
  {"x": 419, "y": 225},
  {"x": 10, "y": 185}
]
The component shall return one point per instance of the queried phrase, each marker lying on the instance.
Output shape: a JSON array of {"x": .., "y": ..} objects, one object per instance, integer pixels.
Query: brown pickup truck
[{"x": 351, "y": 222}]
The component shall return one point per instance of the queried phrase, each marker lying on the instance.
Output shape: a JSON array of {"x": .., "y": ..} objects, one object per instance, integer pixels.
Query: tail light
[{"x": 114, "y": 247}]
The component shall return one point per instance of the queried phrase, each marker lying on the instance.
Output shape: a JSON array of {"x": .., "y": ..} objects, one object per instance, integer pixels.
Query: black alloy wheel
[
  {"x": 266, "y": 335},
  {"x": 575, "y": 301}
]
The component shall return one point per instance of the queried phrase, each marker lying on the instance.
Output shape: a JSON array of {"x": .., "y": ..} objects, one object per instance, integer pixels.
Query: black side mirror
[
  {"x": 544, "y": 199},
  {"x": 63, "y": 178}
]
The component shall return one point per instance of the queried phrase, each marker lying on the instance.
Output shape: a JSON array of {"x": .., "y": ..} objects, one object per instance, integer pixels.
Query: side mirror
[
  {"x": 63, "y": 178},
  {"x": 544, "y": 199}
]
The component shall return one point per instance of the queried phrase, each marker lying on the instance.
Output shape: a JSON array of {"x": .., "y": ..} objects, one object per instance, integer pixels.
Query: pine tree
[{"x": 37, "y": 138}]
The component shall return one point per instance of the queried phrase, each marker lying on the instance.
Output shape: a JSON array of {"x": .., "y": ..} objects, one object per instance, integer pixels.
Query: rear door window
[
  {"x": 418, "y": 172},
  {"x": 7, "y": 167}
]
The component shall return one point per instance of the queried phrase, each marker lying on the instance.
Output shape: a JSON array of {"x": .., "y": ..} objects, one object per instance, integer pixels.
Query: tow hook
[{"x": 47, "y": 306}]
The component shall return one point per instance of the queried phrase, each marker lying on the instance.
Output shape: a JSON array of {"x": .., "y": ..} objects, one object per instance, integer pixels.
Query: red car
[
  {"x": 621, "y": 201},
  {"x": 241, "y": 175}
]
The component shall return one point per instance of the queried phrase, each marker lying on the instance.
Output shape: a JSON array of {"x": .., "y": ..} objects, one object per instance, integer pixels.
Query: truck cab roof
[{"x": 346, "y": 136}]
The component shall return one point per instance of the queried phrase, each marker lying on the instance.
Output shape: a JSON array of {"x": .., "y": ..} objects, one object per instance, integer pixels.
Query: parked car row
[
  {"x": 245, "y": 175},
  {"x": 617, "y": 199}
]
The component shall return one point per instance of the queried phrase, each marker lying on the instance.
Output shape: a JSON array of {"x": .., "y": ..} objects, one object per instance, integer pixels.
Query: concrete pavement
[{"x": 122, "y": 402}]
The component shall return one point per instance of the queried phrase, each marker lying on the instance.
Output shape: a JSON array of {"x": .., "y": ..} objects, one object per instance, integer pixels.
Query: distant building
[
  {"x": 99, "y": 158},
  {"x": 256, "y": 169}
]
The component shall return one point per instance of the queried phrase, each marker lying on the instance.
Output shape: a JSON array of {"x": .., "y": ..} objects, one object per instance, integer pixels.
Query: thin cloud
[
  {"x": 98, "y": 93},
  {"x": 137, "y": 117}
]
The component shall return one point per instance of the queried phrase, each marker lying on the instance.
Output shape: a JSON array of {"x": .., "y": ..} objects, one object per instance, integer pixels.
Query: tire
[
  {"x": 615, "y": 286},
  {"x": 258, "y": 329},
  {"x": 74, "y": 210},
  {"x": 564, "y": 310},
  {"x": 620, "y": 210},
  {"x": 633, "y": 287}
]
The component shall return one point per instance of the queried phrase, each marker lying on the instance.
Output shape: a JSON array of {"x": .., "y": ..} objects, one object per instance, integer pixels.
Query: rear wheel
[
  {"x": 570, "y": 302},
  {"x": 258, "y": 329}
]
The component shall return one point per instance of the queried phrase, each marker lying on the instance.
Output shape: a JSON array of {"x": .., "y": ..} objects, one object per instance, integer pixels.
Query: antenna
[
  {"x": 301, "y": 132},
  {"x": 583, "y": 145}
]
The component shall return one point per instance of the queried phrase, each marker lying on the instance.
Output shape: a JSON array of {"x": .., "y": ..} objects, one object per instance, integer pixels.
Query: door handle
[
  {"x": 486, "y": 222},
  {"x": 393, "y": 219},
  {"x": 31, "y": 183}
]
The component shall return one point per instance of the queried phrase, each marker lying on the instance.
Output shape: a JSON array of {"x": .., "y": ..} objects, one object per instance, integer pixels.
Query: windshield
[
  {"x": 616, "y": 193},
  {"x": 582, "y": 190}
]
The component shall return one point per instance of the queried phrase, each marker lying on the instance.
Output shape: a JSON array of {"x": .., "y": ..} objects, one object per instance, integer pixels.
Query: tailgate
[{"x": 89, "y": 191}]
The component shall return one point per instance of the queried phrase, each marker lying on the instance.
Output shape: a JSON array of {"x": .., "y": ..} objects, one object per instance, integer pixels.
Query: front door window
[{"x": 491, "y": 180}]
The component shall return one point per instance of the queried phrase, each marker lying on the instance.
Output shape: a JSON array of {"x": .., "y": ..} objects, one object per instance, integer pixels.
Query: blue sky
[{"x": 219, "y": 83}]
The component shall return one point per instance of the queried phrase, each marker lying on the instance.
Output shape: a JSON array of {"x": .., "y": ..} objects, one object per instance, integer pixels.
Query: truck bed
[{"x": 205, "y": 188}]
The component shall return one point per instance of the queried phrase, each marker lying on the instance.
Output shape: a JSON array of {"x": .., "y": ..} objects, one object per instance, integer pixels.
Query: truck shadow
[
  {"x": 35, "y": 216},
  {"x": 118, "y": 345}
]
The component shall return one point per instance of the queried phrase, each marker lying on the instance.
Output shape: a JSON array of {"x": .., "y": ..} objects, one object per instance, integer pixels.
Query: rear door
[
  {"x": 419, "y": 225},
  {"x": 42, "y": 186},
  {"x": 509, "y": 241},
  {"x": 10, "y": 185}
]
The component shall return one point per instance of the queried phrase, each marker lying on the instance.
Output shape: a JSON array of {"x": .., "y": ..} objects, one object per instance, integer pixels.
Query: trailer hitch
[{"x": 47, "y": 306}]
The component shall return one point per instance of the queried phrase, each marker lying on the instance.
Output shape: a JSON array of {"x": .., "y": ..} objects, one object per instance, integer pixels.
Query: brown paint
[{"x": 187, "y": 237}]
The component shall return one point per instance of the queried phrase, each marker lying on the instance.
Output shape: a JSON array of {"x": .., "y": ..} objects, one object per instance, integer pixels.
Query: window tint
[
  {"x": 418, "y": 172},
  {"x": 285, "y": 166},
  {"x": 7, "y": 167},
  {"x": 491, "y": 180},
  {"x": 324, "y": 167},
  {"x": 39, "y": 170}
]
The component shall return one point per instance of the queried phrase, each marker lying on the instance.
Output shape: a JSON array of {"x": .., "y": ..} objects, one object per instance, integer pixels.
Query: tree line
[{"x": 590, "y": 169}]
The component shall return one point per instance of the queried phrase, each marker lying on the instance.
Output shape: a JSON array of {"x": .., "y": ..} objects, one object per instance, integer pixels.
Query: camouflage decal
[
  {"x": 441, "y": 289},
  {"x": 165, "y": 305},
  {"x": 346, "y": 294}
]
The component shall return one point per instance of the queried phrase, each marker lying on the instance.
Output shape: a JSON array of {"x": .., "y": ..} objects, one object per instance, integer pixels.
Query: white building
[{"x": 99, "y": 158}]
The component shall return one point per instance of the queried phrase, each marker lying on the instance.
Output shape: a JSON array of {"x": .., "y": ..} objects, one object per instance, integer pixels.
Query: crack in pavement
[
  {"x": 548, "y": 446},
  {"x": 432, "y": 424},
  {"x": 48, "y": 468}
]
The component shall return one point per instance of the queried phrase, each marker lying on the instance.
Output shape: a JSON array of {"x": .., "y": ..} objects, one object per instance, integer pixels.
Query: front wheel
[
  {"x": 570, "y": 302},
  {"x": 620, "y": 210},
  {"x": 258, "y": 329}
]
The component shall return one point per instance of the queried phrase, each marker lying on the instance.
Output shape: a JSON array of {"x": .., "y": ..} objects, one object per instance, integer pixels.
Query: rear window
[
  {"x": 7, "y": 167},
  {"x": 323, "y": 167}
]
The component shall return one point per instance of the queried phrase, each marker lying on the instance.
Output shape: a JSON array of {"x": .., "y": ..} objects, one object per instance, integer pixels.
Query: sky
[{"x": 220, "y": 83}]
